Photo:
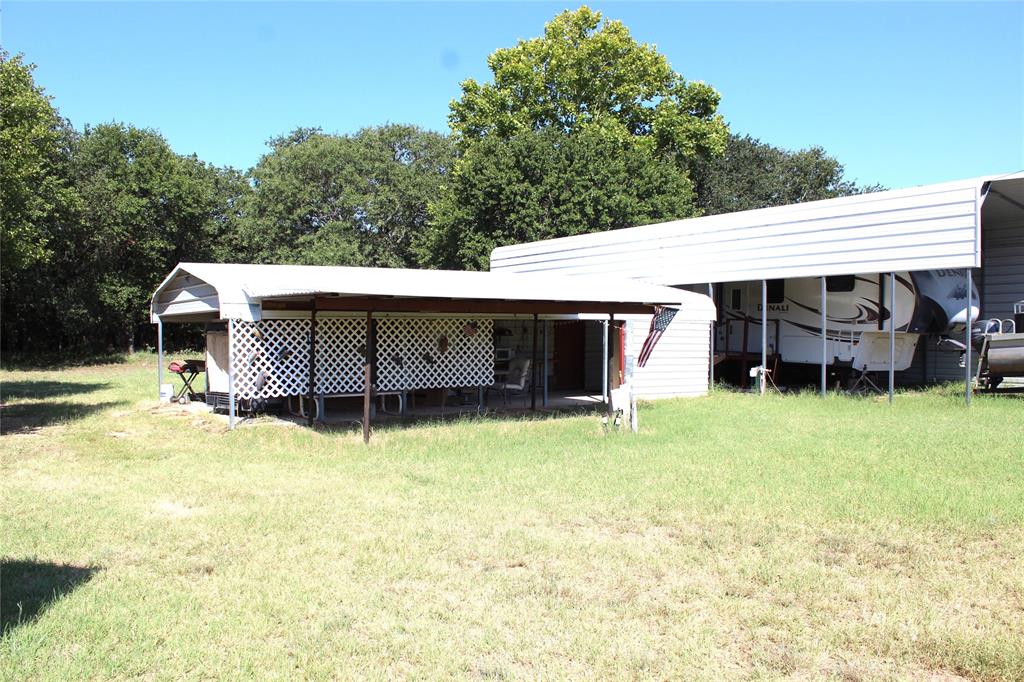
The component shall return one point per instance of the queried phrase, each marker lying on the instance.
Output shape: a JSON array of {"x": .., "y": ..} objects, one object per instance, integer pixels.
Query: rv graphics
[{"x": 857, "y": 315}]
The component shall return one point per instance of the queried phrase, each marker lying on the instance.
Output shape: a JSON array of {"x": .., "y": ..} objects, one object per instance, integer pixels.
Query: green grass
[{"x": 734, "y": 537}]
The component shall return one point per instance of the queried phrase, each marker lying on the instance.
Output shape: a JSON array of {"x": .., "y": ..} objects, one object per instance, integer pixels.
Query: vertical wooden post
[
  {"x": 368, "y": 377},
  {"x": 533, "y": 365},
  {"x": 544, "y": 373},
  {"x": 312, "y": 365}
]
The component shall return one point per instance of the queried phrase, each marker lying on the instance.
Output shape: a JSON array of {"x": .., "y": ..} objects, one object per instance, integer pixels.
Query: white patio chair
[{"x": 517, "y": 380}]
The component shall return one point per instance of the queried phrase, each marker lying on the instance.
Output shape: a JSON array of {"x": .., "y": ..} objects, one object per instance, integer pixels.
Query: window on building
[
  {"x": 840, "y": 283},
  {"x": 735, "y": 299},
  {"x": 776, "y": 291}
]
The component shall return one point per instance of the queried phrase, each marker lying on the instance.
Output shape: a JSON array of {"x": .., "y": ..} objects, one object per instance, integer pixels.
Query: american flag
[{"x": 659, "y": 323}]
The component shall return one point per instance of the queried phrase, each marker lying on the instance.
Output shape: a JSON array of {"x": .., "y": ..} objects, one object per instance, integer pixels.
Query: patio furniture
[
  {"x": 319, "y": 410},
  {"x": 517, "y": 381},
  {"x": 187, "y": 371}
]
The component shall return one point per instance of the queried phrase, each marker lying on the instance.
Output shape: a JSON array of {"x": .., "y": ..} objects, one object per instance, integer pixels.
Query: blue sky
[{"x": 902, "y": 94}]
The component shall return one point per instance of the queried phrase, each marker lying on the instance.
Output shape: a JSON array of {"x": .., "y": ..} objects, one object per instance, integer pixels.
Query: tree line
[{"x": 582, "y": 129}]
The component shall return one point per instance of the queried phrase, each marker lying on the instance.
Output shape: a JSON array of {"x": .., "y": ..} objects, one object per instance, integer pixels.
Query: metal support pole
[
  {"x": 824, "y": 336},
  {"x": 159, "y": 356},
  {"x": 711, "y": 343},
  {"x": 892, "y": 335},
  {"x": 764, "y": 336},
  {"x": 967, "y": 340},
  {"x": 547, "y": 333},
  {"x": 312, "y": 365},
  {"x": 231, "y": 374},
  {"x": 368, "y": 377},
  {"x": 533, "y": 366},
  {"x": 604, "y": 362}
]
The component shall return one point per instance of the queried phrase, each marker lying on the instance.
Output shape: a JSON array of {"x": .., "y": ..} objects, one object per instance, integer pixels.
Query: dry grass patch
[{"x": 732, "y": 538}]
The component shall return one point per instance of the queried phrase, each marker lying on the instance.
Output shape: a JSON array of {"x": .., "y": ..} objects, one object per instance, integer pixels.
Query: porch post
[
  {"x": 711, "y": 343},
  {"x": 892, "y": 335},
  {"x": 967, "y": 341},
  {"x": 312, "y": 365},
  {"x": 547, "y": 332},
  {"x": 764, "y": 335},
  {"x": 533, "y": 366},
  {"x": 368, "y": 377},
  {"x": 824, "y": 336},
  {"x": 604, "y": 362},
  {"x": 231, "y": 374},
  {"x": 159, "y": 356}
]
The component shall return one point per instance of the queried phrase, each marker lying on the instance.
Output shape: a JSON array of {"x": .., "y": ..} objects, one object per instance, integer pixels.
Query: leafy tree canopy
[
  {"x": 544, "y": 184},
  {"x": 752, "y": 174},
  {"x": 35, "y": 148},
  {"x": 344, "y": 200},
  {"x": 586, "y": 71},
  {"x": 139, "y": 209}
]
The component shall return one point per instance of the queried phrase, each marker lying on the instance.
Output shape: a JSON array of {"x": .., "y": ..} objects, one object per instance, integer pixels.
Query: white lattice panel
[
  {"x": 434, "y": 353},
  {"x": 270, "y": 358},
  {"x": 340, "y": 354}
]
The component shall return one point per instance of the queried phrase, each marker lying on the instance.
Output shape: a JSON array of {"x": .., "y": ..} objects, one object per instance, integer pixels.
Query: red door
[{"x": 568, "y": 355}]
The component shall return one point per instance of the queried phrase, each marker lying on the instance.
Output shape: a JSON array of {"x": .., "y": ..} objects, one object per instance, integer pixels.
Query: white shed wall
[{"x": 678, "y": 367}]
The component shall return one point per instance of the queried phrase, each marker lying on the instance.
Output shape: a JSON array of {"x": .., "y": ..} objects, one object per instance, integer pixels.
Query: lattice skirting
[
  {"x": 271, "y": 357},
  {"x": 434, "y": 353}
]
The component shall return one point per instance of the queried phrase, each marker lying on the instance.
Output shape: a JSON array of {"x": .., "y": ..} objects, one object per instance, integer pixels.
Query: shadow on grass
[
  {"x": 60, "y": 361},
  {"x": 391, "y": 423},
  {"x": 27, "y": 417},
  {"x": 28, "y": 587},
  {"x": 13, "y": 390}
]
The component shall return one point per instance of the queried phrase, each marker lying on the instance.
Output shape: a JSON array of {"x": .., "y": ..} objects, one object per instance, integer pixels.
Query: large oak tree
[
  {"x": 582, "y": 129},
  {"x": 344, "y": 200}
]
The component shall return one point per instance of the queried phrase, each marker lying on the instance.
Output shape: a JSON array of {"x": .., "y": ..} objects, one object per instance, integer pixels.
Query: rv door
[{"x": 736, "y": 328}]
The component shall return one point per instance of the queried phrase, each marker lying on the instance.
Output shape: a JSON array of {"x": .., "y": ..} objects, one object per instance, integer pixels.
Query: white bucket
[{"x": 166, "y": 392}]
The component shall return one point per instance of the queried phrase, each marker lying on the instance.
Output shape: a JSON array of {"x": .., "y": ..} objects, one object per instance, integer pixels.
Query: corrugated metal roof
[
  {"x": 919, "y": 228},
  {"x": 245, "y": 285}
]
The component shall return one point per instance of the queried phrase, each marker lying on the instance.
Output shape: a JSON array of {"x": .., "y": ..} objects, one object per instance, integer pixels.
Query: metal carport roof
[
  {"x": 204, "y": 291},
  {"x": 918, "y": 228}
]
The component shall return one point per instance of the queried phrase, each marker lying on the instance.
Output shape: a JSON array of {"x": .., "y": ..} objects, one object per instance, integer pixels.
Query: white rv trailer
[
  {"x": 930, "y": 237},
  {"x": 932, "y": 302}
]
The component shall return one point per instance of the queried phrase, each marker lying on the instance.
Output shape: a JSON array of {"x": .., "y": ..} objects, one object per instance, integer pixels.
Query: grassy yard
[{"x": 733, "y": 537}]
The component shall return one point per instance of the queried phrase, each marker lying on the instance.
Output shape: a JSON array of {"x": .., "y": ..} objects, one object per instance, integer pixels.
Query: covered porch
[{"x": 343, "y": 343}]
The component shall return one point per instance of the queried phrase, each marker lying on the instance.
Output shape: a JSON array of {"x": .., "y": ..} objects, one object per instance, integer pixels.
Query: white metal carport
[
  {"x": 920, "y": 228},
  {"x": 247, "y": 293}
]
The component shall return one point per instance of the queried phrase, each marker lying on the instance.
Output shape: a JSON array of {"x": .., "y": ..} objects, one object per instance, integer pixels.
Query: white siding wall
[
  {"x": 912, "y": 229},
  {"x": 679, "y": 364}
]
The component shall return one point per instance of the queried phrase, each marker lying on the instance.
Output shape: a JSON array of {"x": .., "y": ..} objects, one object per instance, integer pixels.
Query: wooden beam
[
  {"x": 312, "y": 364},
  {"x": 533, "y": 366},
  {"x": 368, "y": 377},
  {"x": 476, "y": 306}
]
